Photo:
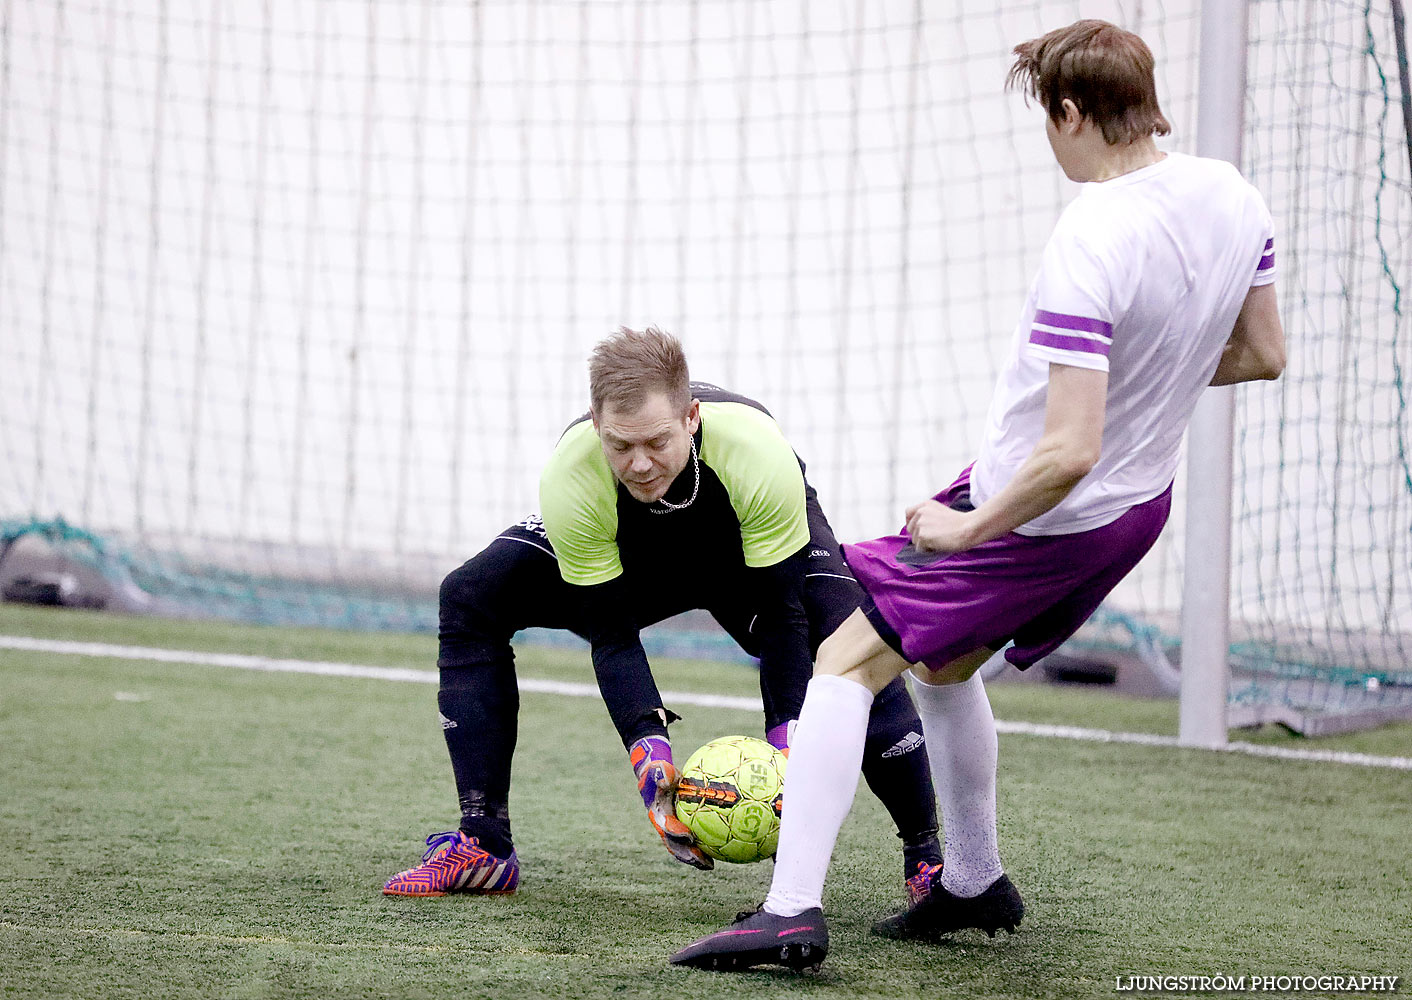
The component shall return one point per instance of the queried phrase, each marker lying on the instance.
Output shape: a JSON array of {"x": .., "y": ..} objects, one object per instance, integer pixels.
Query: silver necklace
[{"x": 667, "y": 508}]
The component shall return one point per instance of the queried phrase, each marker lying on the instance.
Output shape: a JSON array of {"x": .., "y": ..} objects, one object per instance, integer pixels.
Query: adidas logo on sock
[
  {"x": 907, "y": 744},
  {"x": 451, "y": 723}
]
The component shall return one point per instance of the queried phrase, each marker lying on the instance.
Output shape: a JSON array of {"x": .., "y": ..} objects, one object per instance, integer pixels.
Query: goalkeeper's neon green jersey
[{"x": 748, "y": 510}]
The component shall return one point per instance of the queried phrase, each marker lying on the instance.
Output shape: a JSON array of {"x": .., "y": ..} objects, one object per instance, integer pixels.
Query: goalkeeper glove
[{"x": 651, "y": 759}]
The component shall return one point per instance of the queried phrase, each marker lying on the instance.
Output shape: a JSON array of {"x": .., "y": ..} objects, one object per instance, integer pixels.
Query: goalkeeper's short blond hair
[{"x": 626, "y": 367}]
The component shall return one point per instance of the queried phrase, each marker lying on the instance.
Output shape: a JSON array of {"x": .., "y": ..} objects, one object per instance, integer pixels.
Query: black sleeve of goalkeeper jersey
[
  {"x": 782, "y": 630},
  {"x": 620, "y": 663}
]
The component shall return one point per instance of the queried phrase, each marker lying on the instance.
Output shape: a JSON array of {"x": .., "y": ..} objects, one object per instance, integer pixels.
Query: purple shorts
[{"x": 1034, "y": 590}]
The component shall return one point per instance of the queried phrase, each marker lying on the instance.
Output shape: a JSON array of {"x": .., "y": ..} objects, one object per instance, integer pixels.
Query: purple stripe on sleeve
[
  {"x": 1073, "y": 322},
  {"x": 1064, "y": 342},
  {"x": 1269, "y": 244},
  {"x": 1266, "y": 262}
]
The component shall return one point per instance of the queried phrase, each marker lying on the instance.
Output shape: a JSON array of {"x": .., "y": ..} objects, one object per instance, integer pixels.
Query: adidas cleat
[
  {"x": 455, "y": 862},
  {"x": 919, "y": 886},
  {"x": 940, "y": 913},
  {"x": 760, "y": 938}
]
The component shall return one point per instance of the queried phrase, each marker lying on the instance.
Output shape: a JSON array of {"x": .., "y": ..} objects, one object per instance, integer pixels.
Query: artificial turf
[{"x": 192, "y": 831}]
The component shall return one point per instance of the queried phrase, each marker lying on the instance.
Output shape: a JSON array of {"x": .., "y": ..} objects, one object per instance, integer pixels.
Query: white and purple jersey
[{"x": 1143, "y": 278}]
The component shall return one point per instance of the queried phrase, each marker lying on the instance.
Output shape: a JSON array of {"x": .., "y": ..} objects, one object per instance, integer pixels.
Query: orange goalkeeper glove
[{"x": 657, "y": 778}]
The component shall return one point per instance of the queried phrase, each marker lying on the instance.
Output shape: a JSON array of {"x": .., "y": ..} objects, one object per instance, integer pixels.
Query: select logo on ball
[{"x": 730, "y": 797}]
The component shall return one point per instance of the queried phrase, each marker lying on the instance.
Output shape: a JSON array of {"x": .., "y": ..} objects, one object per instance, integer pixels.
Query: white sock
[
  {"x": 962, "y": 746},
  {"x": 825, "y": 760}
]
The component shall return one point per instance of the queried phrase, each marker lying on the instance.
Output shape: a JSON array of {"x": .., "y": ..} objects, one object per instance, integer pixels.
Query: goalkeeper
[{"x": 668, "y": 496}]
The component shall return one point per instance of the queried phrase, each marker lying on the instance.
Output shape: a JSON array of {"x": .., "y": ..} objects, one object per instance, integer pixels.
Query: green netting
[{"x": 147, "y": 582}]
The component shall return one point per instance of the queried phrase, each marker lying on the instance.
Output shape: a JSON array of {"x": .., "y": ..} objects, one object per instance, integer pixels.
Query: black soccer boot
[
  {"x": 939, "y": 913},
  {"x": 760, "y": 938}
]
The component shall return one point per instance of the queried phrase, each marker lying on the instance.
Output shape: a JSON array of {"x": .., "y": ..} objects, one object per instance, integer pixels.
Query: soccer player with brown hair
[{"x": 1156, "y": 282}]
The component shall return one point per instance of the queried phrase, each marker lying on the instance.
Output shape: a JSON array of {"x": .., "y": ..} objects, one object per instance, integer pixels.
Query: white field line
[
  {"x": 64, "y": 931},
  {"x": 241, "y": 661}
]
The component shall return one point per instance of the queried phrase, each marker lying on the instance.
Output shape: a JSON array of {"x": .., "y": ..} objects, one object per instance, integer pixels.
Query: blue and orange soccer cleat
[{"x": 455, "y": 862}]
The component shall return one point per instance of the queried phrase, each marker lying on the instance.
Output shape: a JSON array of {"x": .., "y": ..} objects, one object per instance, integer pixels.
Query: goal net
[{"x": 297, "y": 296}]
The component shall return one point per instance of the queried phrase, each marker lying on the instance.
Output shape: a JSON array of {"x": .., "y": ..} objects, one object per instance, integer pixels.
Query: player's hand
[
  {"x": 935, "y": 527},
  {"x": 658, "y": 783}
]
